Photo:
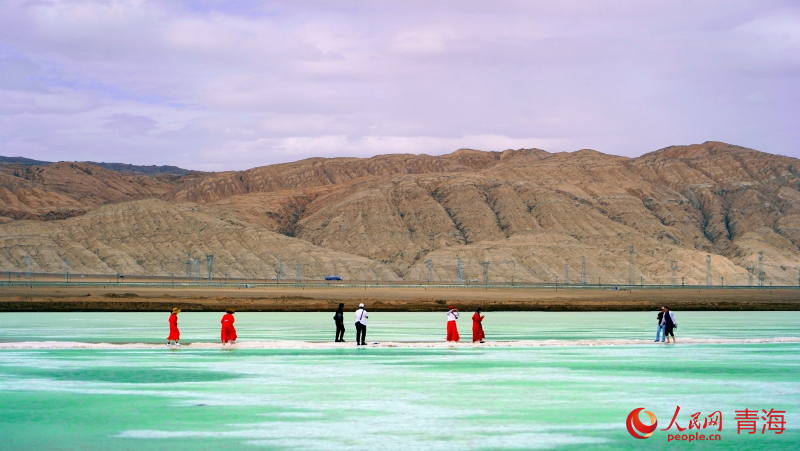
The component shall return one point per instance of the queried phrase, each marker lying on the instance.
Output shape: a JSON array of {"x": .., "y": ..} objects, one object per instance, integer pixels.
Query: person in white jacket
[
  {"x": 361, "y": 325},
  {"x": 669, "y": 324}
]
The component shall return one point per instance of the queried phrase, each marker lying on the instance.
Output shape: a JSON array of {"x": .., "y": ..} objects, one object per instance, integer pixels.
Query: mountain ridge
[{"x": 536, "y": 215}]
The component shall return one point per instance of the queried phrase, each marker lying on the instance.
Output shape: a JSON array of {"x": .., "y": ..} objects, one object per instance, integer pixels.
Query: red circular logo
[{"x": 638, "y": 429}]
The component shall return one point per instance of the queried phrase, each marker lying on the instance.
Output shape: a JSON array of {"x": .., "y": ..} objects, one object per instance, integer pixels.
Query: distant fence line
[{"x": 369, "y": 285}]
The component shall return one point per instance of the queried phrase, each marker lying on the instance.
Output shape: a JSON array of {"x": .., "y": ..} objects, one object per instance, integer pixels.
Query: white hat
[{"x": 360, "y": 305}]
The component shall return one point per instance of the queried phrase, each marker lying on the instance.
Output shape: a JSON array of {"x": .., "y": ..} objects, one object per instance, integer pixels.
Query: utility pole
[
  {"x": 674, "y": 272},
  {"x": 583, "y": 270},
  {"x": 209, "y": 264},
  {"x": 631, "y": 271},
  {"x": 429, "y": 268}
]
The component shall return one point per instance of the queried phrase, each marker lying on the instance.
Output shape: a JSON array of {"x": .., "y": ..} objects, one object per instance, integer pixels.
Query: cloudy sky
[{"x": 216, "y": 85}]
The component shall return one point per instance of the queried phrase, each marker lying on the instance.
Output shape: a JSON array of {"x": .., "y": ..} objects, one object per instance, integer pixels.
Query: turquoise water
[
  {"x": 392, "y": 326},
  {"x": 561, "y": 397}
]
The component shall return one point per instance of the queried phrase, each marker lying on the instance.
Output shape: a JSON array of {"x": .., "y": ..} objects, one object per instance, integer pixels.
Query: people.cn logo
[{"x": 638, "y": 429}]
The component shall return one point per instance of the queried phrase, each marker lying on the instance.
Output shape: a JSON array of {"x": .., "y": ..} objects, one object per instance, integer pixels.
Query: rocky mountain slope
[{"x": 532, "y": 215}]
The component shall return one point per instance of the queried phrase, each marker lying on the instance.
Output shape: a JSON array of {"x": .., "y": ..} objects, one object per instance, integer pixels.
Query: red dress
[
  {"x": 174, "y": 333},
  {"x": 477, "y": 328},
  {"x": 228, "y": 332},
  {"x": 452, "y": 328}
]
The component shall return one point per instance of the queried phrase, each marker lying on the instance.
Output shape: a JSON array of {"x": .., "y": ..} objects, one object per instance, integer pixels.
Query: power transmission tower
[
  {"x": 460, "y": 274},
  {"x": 196, "y": 271},
  {"x": 298, "y": 268},
  {"x": 631, "y": 271},
  {"x": 583, "y": 270},
  {"x": 566, "y": 274},
  {"x": 209, "y": 264},
  {"x": 188, "y": 265},
  {"x": 760, "y": 268},
  {"x": 708, "y": 270},
  {"x": 485, "y": 272},
  {"x": 28, "y": 267},
  {"x": 750, "y": 275},
  {"x": 280, "y": 269},
  {"x": 429, "y": 267},
  {"x": 674, "y": 272},
  {"x": 66, "y": 268}
]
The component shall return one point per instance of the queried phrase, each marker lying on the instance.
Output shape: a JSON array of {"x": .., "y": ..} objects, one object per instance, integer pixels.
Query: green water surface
[{"x": 564, "y": 397}]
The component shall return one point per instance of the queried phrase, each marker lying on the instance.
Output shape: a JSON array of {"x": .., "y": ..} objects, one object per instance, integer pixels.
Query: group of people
[
  {"x": 665, "y": 329},
  {"x": 228, "y": 332},
  {"x": 451, "y": 335},
  {"x": 666, "y": 325}
]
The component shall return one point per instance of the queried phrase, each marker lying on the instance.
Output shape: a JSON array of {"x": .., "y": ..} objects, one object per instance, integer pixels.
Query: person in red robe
[
  {"x": 452, "y": 329},
  {"x": 174, "y": 333},
  {"x": 477, "y": 327},
  {"x": 228, "y": 331}
]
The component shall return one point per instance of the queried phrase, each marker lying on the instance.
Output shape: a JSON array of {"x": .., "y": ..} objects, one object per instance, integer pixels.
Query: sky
[{"x": 225, "y": 85}]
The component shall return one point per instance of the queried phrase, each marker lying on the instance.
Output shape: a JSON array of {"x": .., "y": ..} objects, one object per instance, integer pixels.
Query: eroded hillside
[{"x": 533, "y": 215}]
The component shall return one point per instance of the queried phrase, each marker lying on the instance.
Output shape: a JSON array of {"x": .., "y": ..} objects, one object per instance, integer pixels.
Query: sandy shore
[
  {"x": 331, "y": 345},
  {"x": 283, "y": 299}
]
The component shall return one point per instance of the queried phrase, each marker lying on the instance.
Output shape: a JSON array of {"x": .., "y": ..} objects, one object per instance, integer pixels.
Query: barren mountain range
[{"x": 532, "y": 215}]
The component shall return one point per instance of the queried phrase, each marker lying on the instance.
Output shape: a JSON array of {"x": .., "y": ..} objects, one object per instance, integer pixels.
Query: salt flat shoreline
[
  {"x": 389, "y": 299},
  {"x": 393, "y": 344}
]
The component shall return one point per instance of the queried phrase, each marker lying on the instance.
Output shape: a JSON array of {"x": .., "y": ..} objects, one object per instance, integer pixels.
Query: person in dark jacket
[
  {"x": 338, "y": 317},
  {"x": 660, "y": 328}
]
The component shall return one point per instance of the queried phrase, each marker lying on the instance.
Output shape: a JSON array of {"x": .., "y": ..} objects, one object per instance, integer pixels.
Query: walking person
[
  {"x": 338, "y": 318},
  {"x": 477, "y": 327},
  {"x": 669, "y": 325},
  {"x": 452, "y": 329},
  {"x": 228, "y": 331},
  {"x": 361, "y": 325},
  {"x": 661, "y": 326},
  {"x": 174, "y": 334}
]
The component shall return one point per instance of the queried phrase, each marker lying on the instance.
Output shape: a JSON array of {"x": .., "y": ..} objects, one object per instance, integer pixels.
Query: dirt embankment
[{"x": 281, "y": 299}]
